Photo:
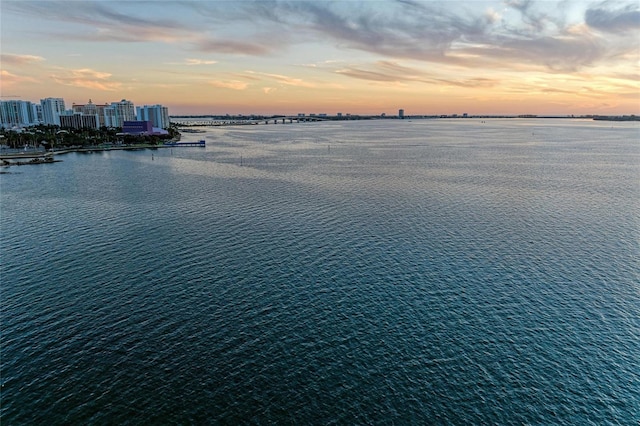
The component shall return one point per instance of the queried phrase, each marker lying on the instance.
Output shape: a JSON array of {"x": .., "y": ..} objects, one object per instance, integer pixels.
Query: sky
[{"x": 357, "y": 57}]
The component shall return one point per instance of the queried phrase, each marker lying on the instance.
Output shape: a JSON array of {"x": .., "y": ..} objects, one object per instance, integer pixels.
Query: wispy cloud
[
  {"x": 9, "y": 79},
  {"x": 620, "y": 20},
  {"x": 284, "y": 79},
  {"x": 86, "y": 78},
  {"x": 384, "y": 71},
  {"x": 392, "y": 72},
  {"x": 230, "y": 84},
  {"x": 237, "y": 47},
  {"x": 462, "y": 34},
  {"x": 19, "y": 60},
  {"x": 200, "y": 62},
  {"x": 192, "y": 61},
  {"x": 104, "y": 21}
]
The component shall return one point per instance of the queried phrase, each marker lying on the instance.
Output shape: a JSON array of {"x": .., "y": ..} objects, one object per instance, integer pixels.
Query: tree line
[{"x": 51, "y": 136}]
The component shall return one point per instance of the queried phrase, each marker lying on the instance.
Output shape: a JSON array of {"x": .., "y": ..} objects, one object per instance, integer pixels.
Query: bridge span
[{"x": 248, "y": 121}]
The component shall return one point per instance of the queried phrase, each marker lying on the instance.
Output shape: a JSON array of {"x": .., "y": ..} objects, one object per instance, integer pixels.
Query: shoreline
[{"x": 45, "y": 154}]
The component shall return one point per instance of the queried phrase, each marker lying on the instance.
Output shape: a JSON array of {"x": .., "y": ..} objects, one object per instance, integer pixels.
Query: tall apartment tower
[
  {"x": 18, "y": 114},
  {"x": 52, "y": 109},
  {"x": 119, "y": 112},
  {"x": 158, "y": 115},
  {"x": 401, "y": 113}
]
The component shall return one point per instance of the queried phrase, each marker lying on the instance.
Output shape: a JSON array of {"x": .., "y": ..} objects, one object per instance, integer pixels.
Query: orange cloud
[
  {"x": 232, "y": 84},
  {"x": 8, "y": 79},
  {"x": 87, "y": 78}
]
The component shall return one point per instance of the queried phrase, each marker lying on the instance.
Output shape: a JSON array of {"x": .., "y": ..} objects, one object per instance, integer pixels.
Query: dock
[{"x": 200, "y": 143}]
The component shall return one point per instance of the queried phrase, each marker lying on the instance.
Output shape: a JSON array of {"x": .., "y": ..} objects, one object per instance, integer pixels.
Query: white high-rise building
[
  {"x": 52, "y": 109},
  {"x": 158, "y": 115},
  {"x": 18, "y": 114},
  {"x": 120, "y": 112},
  {"x": 110, "y": 118}
]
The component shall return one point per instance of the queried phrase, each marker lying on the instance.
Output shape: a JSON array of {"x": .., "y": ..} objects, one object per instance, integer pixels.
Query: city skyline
[{"x": 481, "y": 57}]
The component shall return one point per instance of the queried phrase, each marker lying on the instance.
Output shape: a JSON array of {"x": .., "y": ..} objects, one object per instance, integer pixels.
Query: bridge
[
  {"x": 249, "y": 121},
  {"x": 297, "y": 119}
]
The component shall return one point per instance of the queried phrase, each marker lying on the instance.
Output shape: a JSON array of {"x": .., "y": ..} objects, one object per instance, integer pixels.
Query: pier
[{"x": 200, "y": 143}]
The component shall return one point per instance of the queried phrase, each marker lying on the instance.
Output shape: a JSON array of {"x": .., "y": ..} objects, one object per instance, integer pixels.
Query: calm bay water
[{"x": 383, "y": 272}]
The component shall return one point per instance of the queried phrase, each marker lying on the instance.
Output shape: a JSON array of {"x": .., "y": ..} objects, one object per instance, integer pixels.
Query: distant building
[
  {"x": 18, "y": 114},
  {"x": 119, "y": 112},
  {"x": 52, "y": 109},
  {"x": 93, "y": 109},
  {"x": 79, "y": 121},
  {"x": 158, "y": 115},
  {"x": 401, "y": 113},
  {"x": 39, "y": 113},
  {"x": 110, "y": 117},
  {"x": 142, "y": 127}
]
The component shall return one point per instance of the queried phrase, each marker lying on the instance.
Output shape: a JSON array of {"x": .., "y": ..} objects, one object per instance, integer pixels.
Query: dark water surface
[{"x": 384, "y": 272}]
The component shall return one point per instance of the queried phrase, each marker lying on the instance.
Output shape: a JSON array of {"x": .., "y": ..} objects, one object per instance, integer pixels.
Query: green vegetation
[{"x": 51, "y": 136}]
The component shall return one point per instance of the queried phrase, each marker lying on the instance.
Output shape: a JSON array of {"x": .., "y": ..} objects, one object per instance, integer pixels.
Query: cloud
[
  {"x": 560, "y": 53},
  {"x": 422, "y": 31},
  {"x": 542, "y": 36},
  {"x": 86, "y": 78},
  {"x": 470, "y": 82},
  {"x": 391, "y": 72},
  {"x": 103, "y": 22},
  {"x": 192, "y": 61},
  {"x": 527, "y": 34},
  {"x": 620, "y": 20},
  {"x": 231, "y": 84},
  {"x": 289, "y": 81},
  {"x": 385, "y": 71},
  {"x": 19, "y": 60},
  {"x": 200, "y": 62},
  {"x": 247, "y": 76},
  {"x": 9, "y": 79},
  {"x": 232, "y": 47},
  {"x": 368, "y": 74}
]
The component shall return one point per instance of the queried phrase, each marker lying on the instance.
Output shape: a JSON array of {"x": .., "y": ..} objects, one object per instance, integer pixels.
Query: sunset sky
[{"x": 359, "y": 57}]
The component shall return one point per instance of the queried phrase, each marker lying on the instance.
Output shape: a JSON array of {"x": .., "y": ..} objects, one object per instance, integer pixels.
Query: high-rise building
[
  {"x": 110, "y": 119},
  {"x": 18, "y": 114},
  {"x": 401, "y": 113},
  {"x": 119, "y": 112},
  {"x": 52, "y": 109},
  {"x": 79, "y": 120},
  {"x": 93, "y": 109},
  {"x": 158, "y": 115}
]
